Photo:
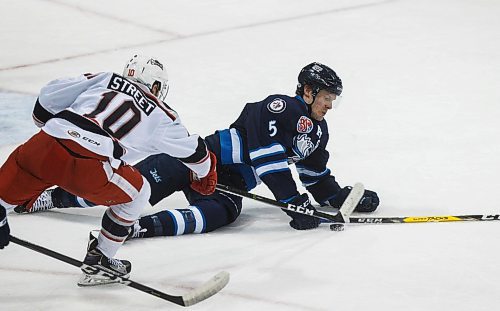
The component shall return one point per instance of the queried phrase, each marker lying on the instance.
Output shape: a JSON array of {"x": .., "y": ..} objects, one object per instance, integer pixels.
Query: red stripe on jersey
[
  {"x": 205, "y": 158},
  {"x": 155, "y": 99},
  {"x": 165, "y": 109},
  {"x": 160, "y": 105},
  {"x": 93, "y": 120}
]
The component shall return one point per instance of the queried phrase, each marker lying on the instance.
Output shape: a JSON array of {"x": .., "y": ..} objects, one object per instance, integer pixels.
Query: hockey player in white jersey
[{"x": 91, "y": 127}]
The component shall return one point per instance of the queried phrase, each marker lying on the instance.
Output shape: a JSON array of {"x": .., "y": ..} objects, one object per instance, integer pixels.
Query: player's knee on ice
[{"x": 204, "y": 215}]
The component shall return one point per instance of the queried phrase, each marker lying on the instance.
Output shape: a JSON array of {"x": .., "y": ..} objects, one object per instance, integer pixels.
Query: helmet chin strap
[
  {"x": 313, "y": 93},
  {"x": 309, "y": 106}
]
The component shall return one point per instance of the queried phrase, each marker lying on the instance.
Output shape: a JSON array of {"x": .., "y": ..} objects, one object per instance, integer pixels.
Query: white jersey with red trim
[{"x": 117, "y": 118}]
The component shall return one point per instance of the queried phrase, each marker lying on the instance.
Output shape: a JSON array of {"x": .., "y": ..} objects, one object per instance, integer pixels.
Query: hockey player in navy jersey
[{"x": 258, "y": 147}]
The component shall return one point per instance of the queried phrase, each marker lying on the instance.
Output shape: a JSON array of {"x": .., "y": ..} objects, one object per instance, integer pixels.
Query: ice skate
[
  {"x": 108, "y": 268},
  {"x": 43, "y": 203}
]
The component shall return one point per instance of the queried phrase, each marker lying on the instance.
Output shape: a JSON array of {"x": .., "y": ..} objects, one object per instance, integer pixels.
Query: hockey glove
[
  {"x": 368, "y": 203},
  {"x": 4, "y": 228},
  {"x": 206, "y": 185},
  {"x": 301, "y": 221}
]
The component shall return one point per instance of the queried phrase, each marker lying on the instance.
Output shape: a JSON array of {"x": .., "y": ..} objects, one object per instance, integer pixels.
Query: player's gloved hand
[
  {"x": 206, "y": 185},
  {"x": 368, "y": 203},
  {"x": 4, "y": 228},
  {"x": 301, "y": 221}
]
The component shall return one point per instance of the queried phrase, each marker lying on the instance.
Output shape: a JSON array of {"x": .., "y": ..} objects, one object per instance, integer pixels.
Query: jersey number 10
[{"x": 116, "y": 117}]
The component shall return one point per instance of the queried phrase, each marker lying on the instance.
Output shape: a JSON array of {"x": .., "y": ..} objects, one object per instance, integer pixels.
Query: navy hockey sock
[
  {"x": 206, "y": 216},
  {"x": 173, "y": 222},
  {"x": 153, "y": 225},
  {"x": 62, "y": 198}
]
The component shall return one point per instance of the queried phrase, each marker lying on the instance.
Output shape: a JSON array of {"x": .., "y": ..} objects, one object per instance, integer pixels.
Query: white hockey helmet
[{"x": 150, "y": 72}]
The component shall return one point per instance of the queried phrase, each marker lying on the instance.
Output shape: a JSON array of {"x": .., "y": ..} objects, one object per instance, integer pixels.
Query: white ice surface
[{"x": 419, "y": 123}]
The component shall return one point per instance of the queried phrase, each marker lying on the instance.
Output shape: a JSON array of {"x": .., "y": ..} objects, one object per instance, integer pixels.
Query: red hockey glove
[{"x": 206, "y": 185}]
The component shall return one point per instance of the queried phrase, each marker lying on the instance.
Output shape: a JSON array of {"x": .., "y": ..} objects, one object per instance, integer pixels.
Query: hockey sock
[
  {"x": 153, "y": 225},
  {"x": 173, "y": 222},
  {"x": 114, "y": 231},
  {"x": 62, "y": 199}
]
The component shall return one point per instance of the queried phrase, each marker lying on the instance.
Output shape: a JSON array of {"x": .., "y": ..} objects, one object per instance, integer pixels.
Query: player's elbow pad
[{"x": 40, "y": 115}]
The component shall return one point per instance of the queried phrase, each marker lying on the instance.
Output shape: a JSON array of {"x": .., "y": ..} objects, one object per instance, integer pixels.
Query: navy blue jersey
[{"x": 272, "y": 134}]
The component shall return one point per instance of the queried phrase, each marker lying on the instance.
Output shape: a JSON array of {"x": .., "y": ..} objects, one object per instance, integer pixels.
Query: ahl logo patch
[
  {"x": 74, "y": 134},
  {"x": 305, "y": 125},
  {"x": 277, "y": 106}
]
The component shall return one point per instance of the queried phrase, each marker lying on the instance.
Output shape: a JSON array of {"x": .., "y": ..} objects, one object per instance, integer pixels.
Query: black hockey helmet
[{"x": 319, "y": 77}]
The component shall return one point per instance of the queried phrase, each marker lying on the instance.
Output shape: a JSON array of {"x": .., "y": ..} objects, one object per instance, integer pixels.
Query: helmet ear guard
[{"x": 149, "y": 72}]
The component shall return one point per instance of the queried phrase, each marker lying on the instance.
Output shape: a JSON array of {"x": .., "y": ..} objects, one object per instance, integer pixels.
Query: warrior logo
[
  {"x": 277, "y": 106},
  {"x": 304, "y": 125},
  {"x": 155, "y": 62}
]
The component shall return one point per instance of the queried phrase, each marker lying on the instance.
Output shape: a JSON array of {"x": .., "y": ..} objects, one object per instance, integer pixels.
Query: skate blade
[{"x": 95, "y": 280}]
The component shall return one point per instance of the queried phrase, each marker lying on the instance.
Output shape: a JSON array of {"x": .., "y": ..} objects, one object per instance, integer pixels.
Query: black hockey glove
[
  {"x": 368, "y": 203},
  {"x": 4, "y": 228},
  {"x": 301, "y": 221}
]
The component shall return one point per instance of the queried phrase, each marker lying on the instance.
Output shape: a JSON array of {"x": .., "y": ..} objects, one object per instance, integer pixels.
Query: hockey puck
[{"x": 337, "y": 227}]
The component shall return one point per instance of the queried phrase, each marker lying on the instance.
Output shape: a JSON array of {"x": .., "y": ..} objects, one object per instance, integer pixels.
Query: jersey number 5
[
  {"x": 272, "y": 128},
  {"x": 117, "y": 116}
]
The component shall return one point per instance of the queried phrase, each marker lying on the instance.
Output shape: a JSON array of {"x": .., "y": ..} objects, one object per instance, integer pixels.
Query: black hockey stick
[
  {"x": 341, "y": 217},
  {"x": 210, "y": 288}
]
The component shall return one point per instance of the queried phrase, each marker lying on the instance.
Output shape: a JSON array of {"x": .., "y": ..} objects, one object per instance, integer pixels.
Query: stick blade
[
  {"x": 210, "y": 288},
  {"x": 352, "y": 201}
]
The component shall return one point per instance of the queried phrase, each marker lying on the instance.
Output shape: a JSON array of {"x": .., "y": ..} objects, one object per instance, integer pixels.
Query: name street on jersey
[{"x": 122, "y": 85}]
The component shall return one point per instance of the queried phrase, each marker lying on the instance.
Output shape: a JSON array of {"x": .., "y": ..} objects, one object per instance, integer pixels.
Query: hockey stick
[
  {"x": 341, "y": 217},
  {"x": 346, "y": 216},
  {"x": 421, "y": 219},
  {"x": 210, "y": 288}
]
